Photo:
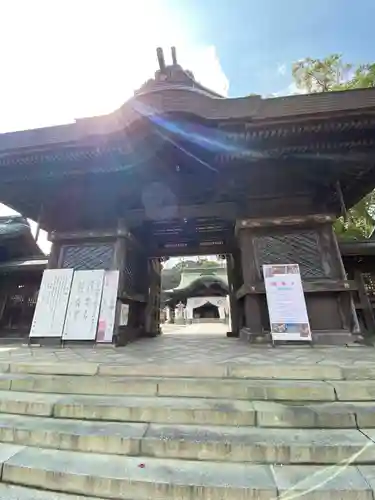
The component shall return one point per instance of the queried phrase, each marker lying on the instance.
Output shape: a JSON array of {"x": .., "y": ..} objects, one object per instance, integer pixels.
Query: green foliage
[
  {"x": 320, "y": 75},
  {"x": 333, "y": 74},
  {"x": 360, "y": 222}
]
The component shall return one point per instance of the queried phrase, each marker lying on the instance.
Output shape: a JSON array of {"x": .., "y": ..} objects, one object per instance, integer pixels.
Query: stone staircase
[{"x": 190, "y": 432}]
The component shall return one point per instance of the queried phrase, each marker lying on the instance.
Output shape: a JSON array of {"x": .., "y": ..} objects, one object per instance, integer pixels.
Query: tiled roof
[
  {"x": 13, "y": 226},
  {"x": 194, "y": 101}
]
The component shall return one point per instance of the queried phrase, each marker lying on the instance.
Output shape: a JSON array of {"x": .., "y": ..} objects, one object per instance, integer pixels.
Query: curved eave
[
  {"x": 13, "y": 227},
  {"x": 197, "y": 283},
  {"x": 16, "y": 237},
  {"x": 15, "y": 266},
  {"x": 192, "y": 102}
]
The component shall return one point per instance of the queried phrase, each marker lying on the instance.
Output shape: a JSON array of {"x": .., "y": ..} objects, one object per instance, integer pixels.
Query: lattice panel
[
  {"x": 135, "y": 272},
  {"x": 301, "y": 248},
  {"x": 143, "y": 280},
  {"x": 369, "y": 280},
  {"x": 130, "y": 271},
  {"x": 87, "y": 257}
]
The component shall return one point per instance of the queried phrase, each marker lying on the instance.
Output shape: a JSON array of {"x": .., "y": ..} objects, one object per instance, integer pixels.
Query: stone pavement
[
  {"x": 197, "y": 343},
  {"x": 214, "y": 328},
  {"x": 191, "y": 414}
]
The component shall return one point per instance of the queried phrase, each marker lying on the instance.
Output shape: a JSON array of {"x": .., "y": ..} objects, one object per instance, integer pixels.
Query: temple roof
[
  {"x": 16, "y": 239},
  {"x": 179, "y": 99},
  {"x": 196, "y": 277},
  {"x": 175, "y": 90},
  {"x": 23, "y": 265},
  {"x": 175, "y": 129}
]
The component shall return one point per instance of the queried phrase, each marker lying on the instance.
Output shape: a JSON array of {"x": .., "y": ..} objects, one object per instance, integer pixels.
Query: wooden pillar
[
  {"x": 152, "y": 325},
  {"x": 251, "y": 276},
  {"x": 3, "y": 296},
  {"x": 131, "y": 261},
  {"x": 235, "y": 281},
  {"x": 365, "y": 303},
  {"x": 38, "y": 224},
  {"x": 53, "y": 258},
  {"x": 118, "y": 264},
  {"x": 310, "y": 242},
  {"x": 107, "y": 250},
  {"x": 346, "y": 302}
]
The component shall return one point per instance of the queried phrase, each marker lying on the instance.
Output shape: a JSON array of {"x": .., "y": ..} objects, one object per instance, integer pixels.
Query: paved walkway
[
  {"x": 218, "y": 329},
  {"x": 197, "y": 343}
]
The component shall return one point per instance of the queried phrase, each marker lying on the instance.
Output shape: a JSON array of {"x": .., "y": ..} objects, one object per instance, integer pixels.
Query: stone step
[
  {"x": 261, "y": 371},
  {"x": 271, "y": 371},
  {"x": 130, "y": 409},
  {"x": 316, "y": 415},
  {"x": 182, "y": 410},
  {"x": 259, "y": 445},
  {"x": 217, "y": 443},
  {"x": 247, "y": 389},
  {"x": 10, "y": 492},
  {"x": 286, "y": 371},
  {"x": 143, "y": 478}
]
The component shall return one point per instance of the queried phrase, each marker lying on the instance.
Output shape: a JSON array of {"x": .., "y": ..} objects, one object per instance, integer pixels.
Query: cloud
[
  {"x": 92, "y": 68},
  {"x": 281, "y": 69},
  {"x": 291, "y": 89},
  {"x": 91, "y": 64},
  {"x": 204, "y": 62}
]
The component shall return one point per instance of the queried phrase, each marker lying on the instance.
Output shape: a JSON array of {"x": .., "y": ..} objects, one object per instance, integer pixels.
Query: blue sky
[
  {"x": 64, "y": 59},
  {"x": 256, "y": 38}
]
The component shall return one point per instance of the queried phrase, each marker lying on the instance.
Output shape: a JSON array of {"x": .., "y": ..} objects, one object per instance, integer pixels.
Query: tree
[
  {"x": 360, "y": 220},
  {"x": 333, "y": 74}
]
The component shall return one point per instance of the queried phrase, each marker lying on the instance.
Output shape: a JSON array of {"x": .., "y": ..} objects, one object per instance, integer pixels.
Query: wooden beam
[
  {"x": 284, "y": 221},
  {"x": 121, "y": 232},
  {"x": 137, "y": 297},
  {"x": 196, "y": 250},
  {"x": 227, "y": 211}
]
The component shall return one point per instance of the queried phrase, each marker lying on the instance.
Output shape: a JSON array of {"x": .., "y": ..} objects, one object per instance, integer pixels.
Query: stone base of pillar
[
  {"x": 255, "y": 338},
  {"x": 127, "y": 334},
  {"x": 336, "y": 338},
  {"x": 326, "y": 338}
]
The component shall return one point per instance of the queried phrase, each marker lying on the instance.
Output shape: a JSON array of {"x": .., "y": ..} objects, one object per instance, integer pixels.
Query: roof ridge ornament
[
  {"x": 161, "y": 60},
  {"x": 169, "y": 76},
  {"x": 174, "y": 56}
]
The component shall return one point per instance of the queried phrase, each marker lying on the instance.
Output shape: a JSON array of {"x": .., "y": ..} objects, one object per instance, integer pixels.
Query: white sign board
[
  {"x": 84, "y": 304},
  {"x": 106, "y": 323},
  {"x": 51, "y": 306},
  {"x": 286, "y": 303}
]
